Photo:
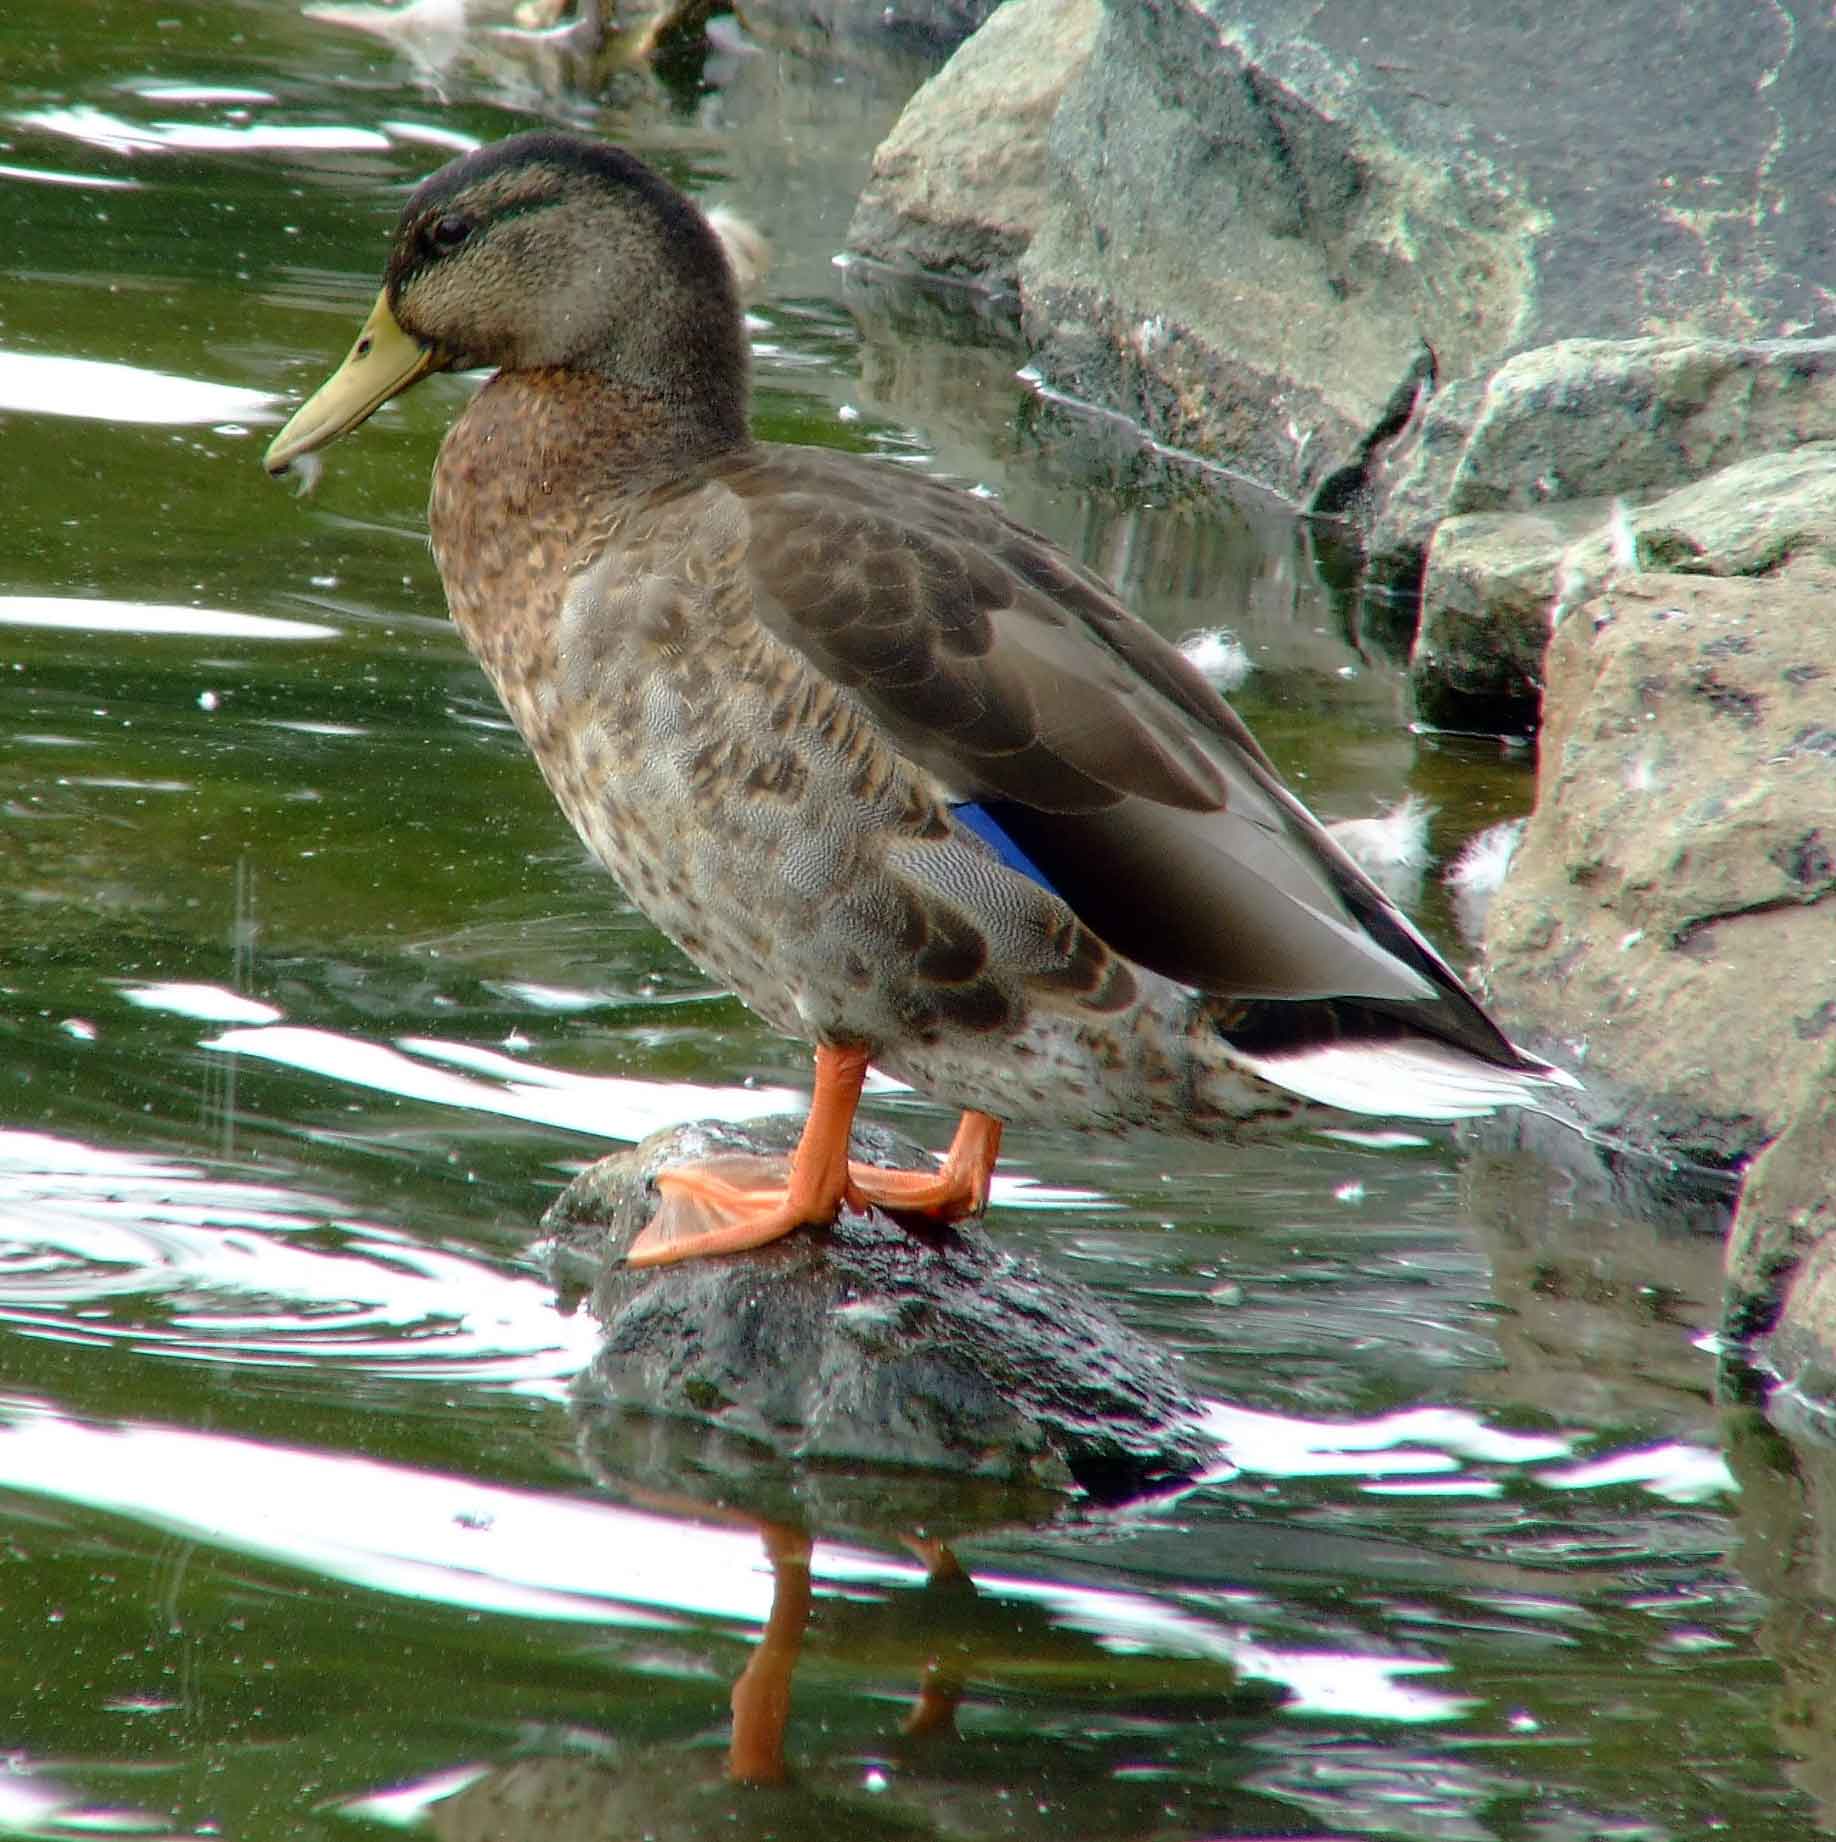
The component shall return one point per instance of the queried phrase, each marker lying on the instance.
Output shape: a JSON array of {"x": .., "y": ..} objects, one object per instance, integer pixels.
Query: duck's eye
[{"x": 449, "y": 232}]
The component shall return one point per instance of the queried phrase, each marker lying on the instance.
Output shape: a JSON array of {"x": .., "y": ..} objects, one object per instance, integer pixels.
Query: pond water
[{"x": 310, "y": 1004}]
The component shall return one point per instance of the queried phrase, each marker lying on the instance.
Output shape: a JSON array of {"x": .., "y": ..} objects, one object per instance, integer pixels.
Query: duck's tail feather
[
  {"x": 1364, "y": 1059},
  {"x": 1405, "y": 1080}
]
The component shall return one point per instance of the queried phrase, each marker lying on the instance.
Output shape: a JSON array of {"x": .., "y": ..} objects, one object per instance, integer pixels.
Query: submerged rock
[
  {"x": 1784, "y": 1460},
  {"x": 871, "y": 1343}
]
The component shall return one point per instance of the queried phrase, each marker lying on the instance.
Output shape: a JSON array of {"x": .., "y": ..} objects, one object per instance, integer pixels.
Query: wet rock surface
[
  {"x": 1477, "y": 661},
  {"x": 1784, "y": 1459},
  {"x": 1583, "y": 419},
  {"x": 1532, "y": 534},
  {"x": 1669, "y": 912},
  {"x": 1781, "y": 1293},
  {"x": 871, "y": 1344}
]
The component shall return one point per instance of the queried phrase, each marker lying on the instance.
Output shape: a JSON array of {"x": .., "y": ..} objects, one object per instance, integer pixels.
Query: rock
[
  {"x": 1265, "y": 229},
  {"x": 1683, "y": 852},
  {"x": 1497, "y": 580},
  {"x": 1477, "y": 662},
  {"x": 971, "y": 213},
  {"x": 869, "y": 1344},
  {"x": 1349, "y": 251},
  {"x": 1749, "y": 519},
  {"x": 934, "y": 26},
  {"x": 1781, "y": 1268},
  {"x": 1597, "y": 419},
  {"x": 1784, "y": 1462},
  {"x": 1225, "y": 259}
]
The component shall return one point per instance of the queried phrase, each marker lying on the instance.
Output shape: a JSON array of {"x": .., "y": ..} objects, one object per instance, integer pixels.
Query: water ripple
[{"x": 103, "y": 1248}]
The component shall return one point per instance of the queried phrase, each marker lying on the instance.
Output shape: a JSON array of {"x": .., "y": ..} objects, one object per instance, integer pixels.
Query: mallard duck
[{"x": 913, "y": 784}]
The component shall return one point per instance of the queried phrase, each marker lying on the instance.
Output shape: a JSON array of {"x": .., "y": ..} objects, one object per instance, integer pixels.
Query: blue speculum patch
[{"x": 978, "y": 819}]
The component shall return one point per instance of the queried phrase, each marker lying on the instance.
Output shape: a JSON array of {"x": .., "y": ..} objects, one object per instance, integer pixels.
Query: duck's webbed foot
[
  {"x": 958, "y": 1189},
  {"x": 726, "y": 1205},
  {"x": 731, "y": 1203}
]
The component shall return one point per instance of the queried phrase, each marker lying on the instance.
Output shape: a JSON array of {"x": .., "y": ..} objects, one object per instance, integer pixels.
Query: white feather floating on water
[
  {"x": 1477, "y": 874},
  {"x": 1392, "y": 848},
  {"x": 1220, "y": 655}
]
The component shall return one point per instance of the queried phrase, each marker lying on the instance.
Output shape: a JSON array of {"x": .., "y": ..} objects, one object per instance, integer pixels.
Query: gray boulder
[
  {"x": 1668, "y": 915},
  {"x": 860, "y": 26},
  {"x": 960, "y": 183},
  {"x": 1497, "y": 579},
  {"x": 1263, "y": 231},
  {"x": 1781, "y": 1272},
  {"x": 1477, "y": 662},
  {"x": 1588, "y": 419}
]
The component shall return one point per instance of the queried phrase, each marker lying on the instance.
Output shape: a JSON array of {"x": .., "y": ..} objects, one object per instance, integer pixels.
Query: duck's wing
[{"x": 1088, "y": 741}]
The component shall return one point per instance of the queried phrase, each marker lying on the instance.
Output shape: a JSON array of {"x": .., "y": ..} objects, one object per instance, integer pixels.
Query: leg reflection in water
[{"x": 762, "y": 1695}]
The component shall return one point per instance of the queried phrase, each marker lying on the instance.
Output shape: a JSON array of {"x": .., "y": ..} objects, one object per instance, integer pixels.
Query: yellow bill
[{"x": 382, "y": 364}]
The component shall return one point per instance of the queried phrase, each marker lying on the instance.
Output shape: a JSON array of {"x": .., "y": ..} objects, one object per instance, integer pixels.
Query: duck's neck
[{"x": 533, "y": 462}]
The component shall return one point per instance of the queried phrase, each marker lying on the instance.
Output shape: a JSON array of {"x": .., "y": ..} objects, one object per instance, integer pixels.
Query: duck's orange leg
[{"x": 724, "y": 1205}]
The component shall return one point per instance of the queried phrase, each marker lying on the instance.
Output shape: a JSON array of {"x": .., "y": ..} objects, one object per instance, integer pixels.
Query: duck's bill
[{"x": 382, "y": 364}]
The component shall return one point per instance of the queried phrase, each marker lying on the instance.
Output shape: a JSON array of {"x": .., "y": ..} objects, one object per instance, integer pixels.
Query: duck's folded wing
[{"x": 1024, "y": 685}]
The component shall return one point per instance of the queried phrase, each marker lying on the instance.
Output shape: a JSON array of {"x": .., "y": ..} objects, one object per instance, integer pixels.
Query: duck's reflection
[{"x": 917, "y": 1775}]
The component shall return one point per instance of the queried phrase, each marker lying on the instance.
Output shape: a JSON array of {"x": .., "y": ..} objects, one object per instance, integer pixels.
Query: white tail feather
[{"x": 1404, "y": 1080}]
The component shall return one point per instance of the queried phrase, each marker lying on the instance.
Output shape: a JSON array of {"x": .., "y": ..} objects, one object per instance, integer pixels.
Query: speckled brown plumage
[{"x": 773, "y": 688}]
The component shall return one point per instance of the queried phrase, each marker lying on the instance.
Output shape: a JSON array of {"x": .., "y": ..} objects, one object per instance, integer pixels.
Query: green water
[{"x": 309, "y": 1003}]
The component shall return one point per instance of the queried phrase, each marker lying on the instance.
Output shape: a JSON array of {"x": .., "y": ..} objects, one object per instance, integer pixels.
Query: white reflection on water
[
  {"x": 431, "y": 1536},
  {"x": 1423, "y": 1448},
  {"x": 424, "y": 134},
  {"x": 38, "y": 175},
  {"x": 95, "y": 128},
  {"x": 1331, "y": 1682},
  {"x": 1279, "y": 1444},
  {"x": 604, "y": 1106},
  {"x": 207, "y": 1003},
  {"x": 1677, "y": 1473},
  {"x": 86, "y": 615},
  {"x": 160, "y": 89},
  {"x": 51, "y": 384}
]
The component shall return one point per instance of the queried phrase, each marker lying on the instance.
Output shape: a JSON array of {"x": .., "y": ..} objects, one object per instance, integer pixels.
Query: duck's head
[{"x": 545, "y": 251}]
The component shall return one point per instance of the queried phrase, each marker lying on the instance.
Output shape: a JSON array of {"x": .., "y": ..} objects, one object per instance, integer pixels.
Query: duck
[{"x": 898, "y": 772}]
